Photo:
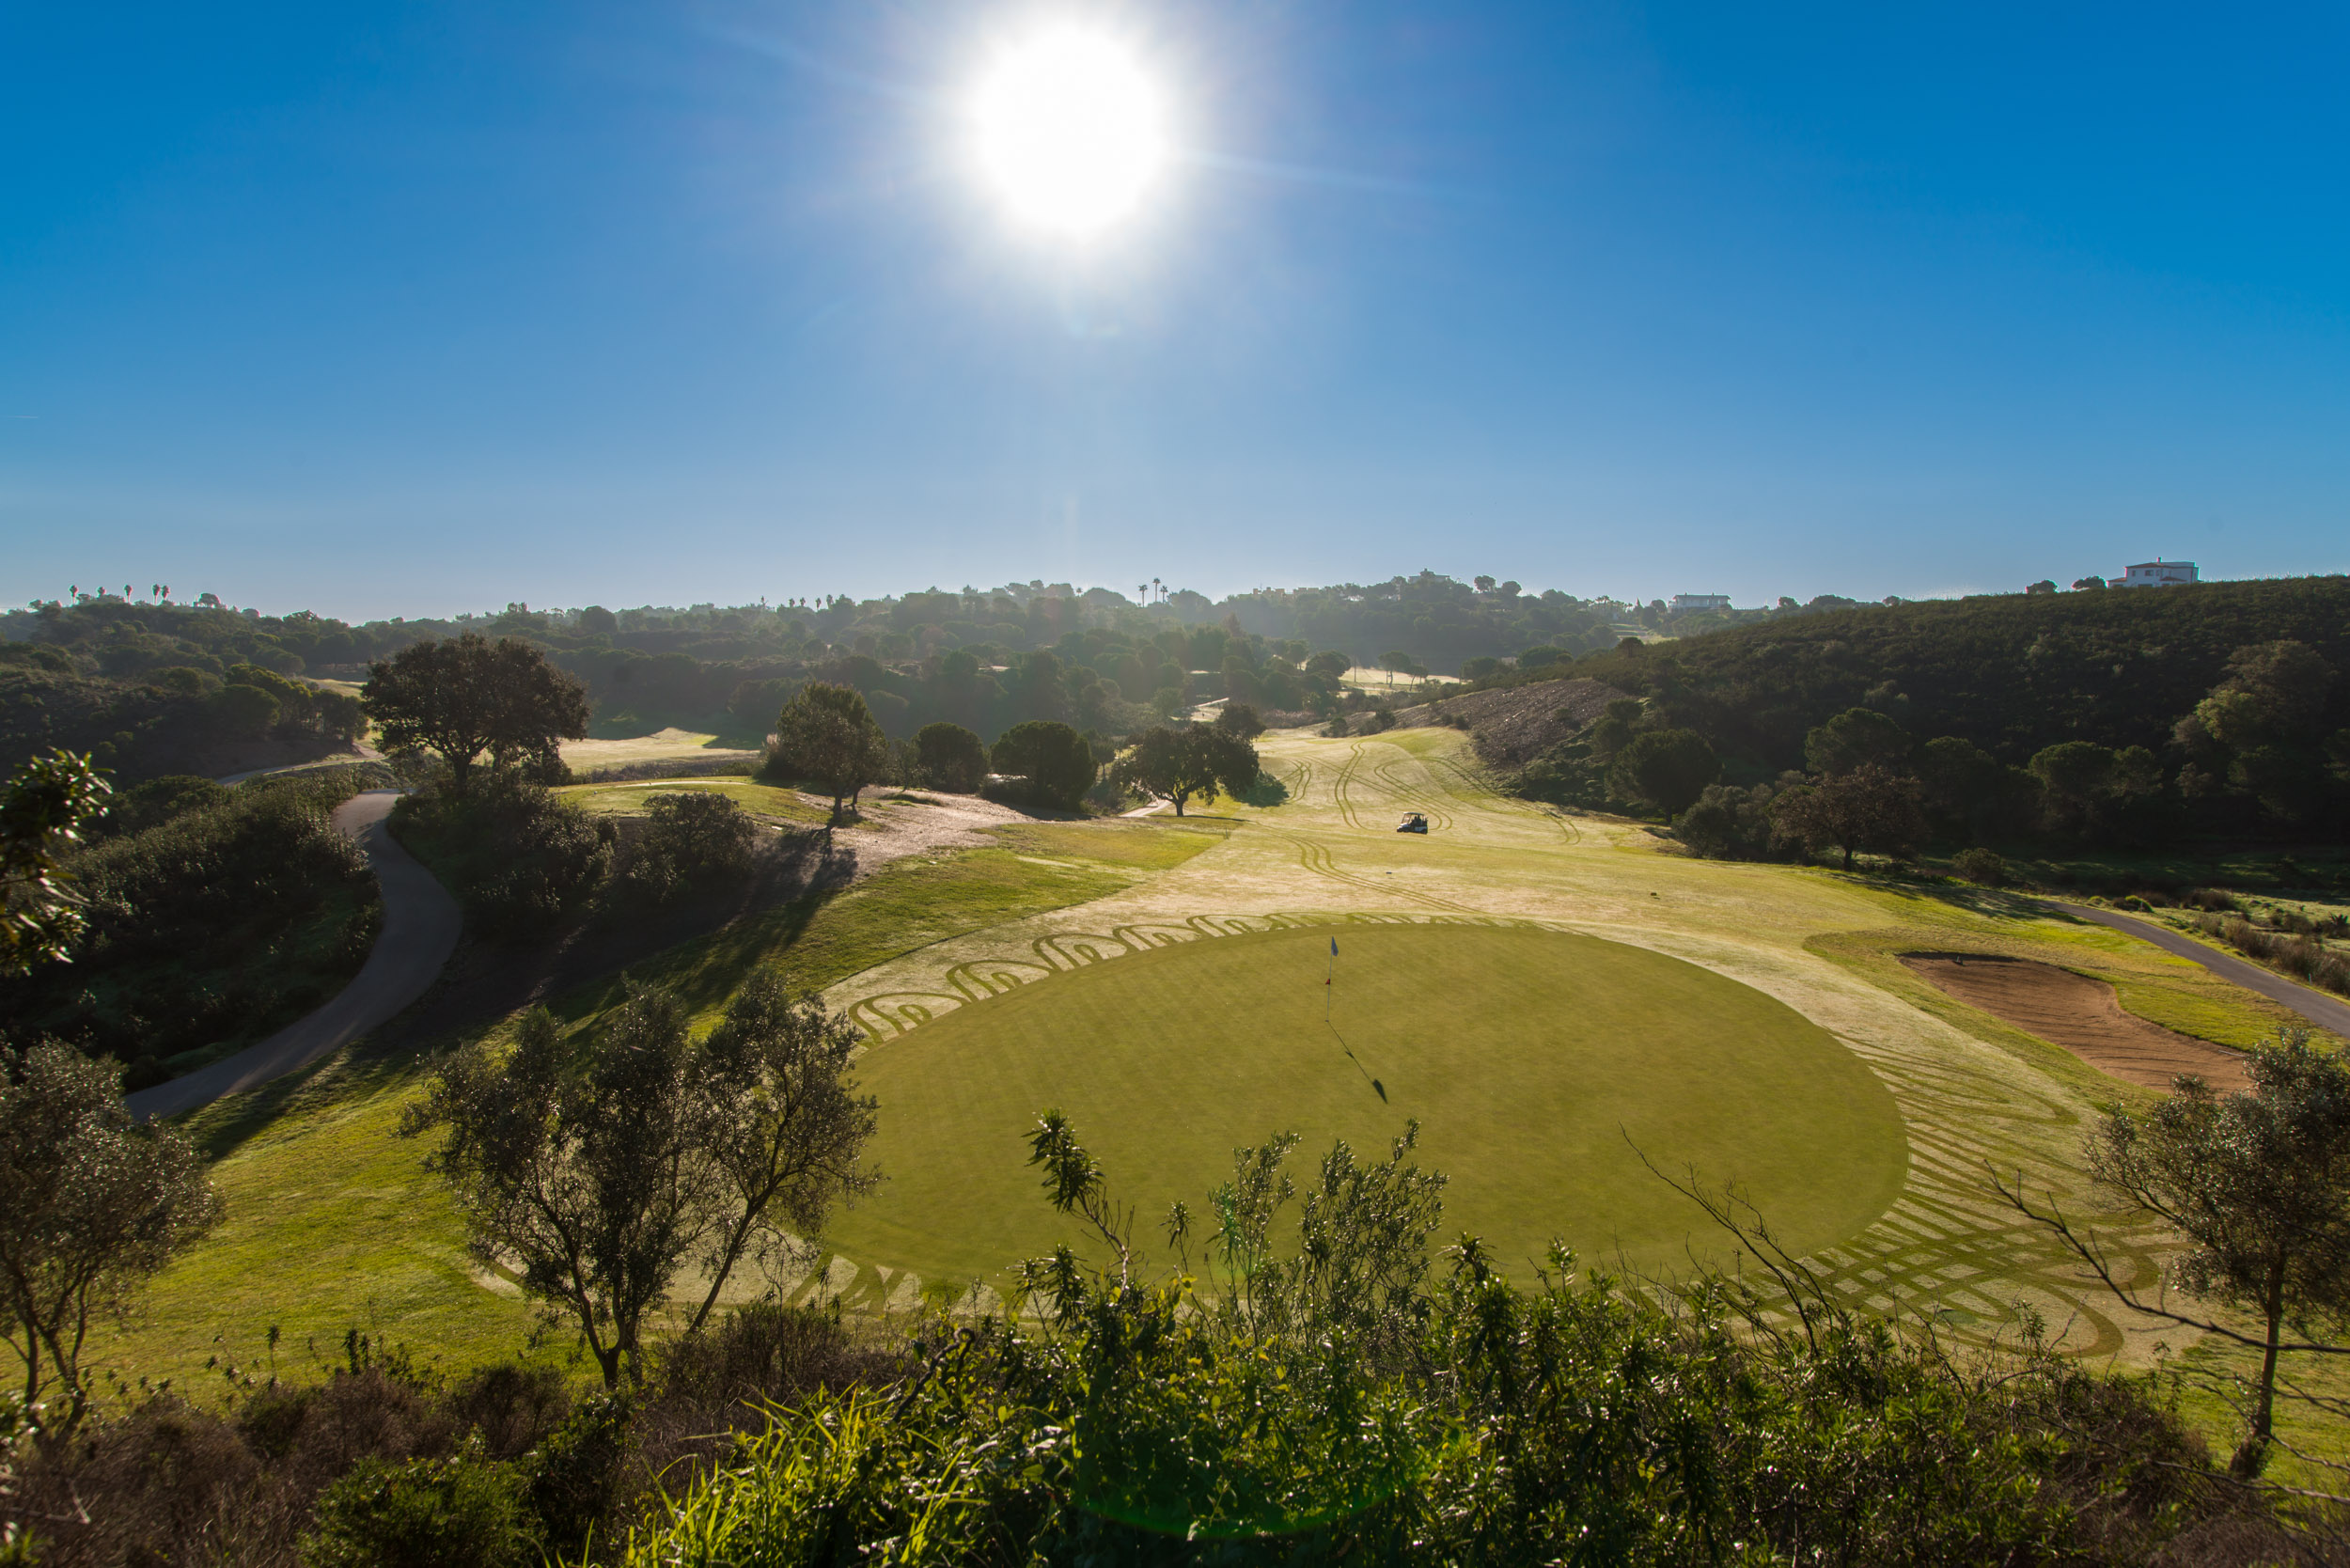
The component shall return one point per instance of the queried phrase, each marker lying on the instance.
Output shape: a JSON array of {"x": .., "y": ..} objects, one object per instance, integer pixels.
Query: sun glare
[{"x": 1072, "y": 132}]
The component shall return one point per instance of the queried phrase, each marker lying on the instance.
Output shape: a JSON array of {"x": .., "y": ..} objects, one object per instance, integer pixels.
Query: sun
[{"x": 1071, "y": 132}]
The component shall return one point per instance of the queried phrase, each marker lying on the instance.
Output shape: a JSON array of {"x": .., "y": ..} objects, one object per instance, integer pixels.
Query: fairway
[{"x": 1530, "y": 1056}]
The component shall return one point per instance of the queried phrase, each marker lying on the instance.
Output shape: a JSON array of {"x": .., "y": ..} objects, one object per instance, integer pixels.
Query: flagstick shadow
[{"x": 1358, "y": 1064}]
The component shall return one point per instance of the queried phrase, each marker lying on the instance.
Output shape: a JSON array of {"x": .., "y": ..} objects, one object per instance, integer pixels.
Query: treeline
[
  {"x": 2114, "y": 717},
  {"x": 151, "y": 690}
]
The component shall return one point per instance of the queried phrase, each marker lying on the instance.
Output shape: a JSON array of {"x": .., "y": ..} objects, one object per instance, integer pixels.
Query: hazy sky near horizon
[{"x": 420, "y": 309}]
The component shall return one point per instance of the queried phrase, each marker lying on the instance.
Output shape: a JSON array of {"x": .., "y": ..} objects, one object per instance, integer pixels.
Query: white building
[
  {"x": 1700, "y": 601},
  {"x": 2156, "y": 573}
]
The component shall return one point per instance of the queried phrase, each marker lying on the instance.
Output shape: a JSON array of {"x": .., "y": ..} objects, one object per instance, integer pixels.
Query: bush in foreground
[{"x": 1331, "y": 1400}]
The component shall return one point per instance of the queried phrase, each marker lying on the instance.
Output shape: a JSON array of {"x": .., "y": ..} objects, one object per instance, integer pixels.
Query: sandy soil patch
[
  {"x": 919, "y": 823},
  {"x": 2083, "y": 1016}
]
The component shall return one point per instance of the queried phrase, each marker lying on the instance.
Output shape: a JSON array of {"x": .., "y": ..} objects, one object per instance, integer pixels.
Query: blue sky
[{"x": 385, "y": 311}]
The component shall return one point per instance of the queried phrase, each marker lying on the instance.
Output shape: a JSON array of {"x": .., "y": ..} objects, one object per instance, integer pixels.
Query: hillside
[
  {"x": 1510, "y": 726},
  {"x": 2011, "y": 673}
]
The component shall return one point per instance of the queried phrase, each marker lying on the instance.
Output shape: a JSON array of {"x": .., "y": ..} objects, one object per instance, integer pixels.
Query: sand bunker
[{"x": 2083, "y": 1016}]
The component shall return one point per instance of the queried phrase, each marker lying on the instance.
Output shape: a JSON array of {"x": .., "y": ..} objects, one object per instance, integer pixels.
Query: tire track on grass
[{"x": 1317, "y": 859}]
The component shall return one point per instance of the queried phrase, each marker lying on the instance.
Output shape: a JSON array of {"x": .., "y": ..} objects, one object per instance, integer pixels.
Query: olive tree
[
  {"x": 603, "y": 1167},
  {"x": 827, "y": 734},
  {"x": 1871, "y": 807},
  {"x": 91, "y": 1204},
  {"x": 786, "y": 1129},
  {"x": 464, "y": 695},
  {"x": 43, "y": 813},
  {"x": 1196, "y": 760},
  {"x": 2257, "y": 1182}
]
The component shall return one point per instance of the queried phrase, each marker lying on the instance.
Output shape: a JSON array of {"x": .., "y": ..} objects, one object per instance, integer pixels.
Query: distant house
[
  {"x": 1700, "y": 601},
  {"x": 2156, "y": 573}
]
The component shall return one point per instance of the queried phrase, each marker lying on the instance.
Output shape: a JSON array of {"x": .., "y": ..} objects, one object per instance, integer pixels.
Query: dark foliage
[
  {"x": 211, "y": 929},
  {"x": 1055, "y": 760},
  {"x": 691, "y": 840},
  {"x": 948, "y": 757},
  {"x": 466, "y": 696},
  {"x": 516, "y": 855}
]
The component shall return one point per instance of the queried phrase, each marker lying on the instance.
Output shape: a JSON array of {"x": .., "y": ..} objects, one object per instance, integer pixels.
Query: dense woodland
[{"x": 2098, "y": 718}]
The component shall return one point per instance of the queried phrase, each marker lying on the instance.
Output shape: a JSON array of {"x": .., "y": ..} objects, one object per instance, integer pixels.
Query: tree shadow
[{"x": 1265, "y": 793}]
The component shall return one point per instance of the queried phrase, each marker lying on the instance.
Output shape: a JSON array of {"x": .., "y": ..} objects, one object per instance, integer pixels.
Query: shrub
[
  {"x": 465, "y": 1510},
  {"x": 516, "y": 855},
  {"x": 1981, "y": 867},
  {"x": 576, "y": 1481},
  {"x": 949, "y": 757},
  {"x": 1728, "y": 823},
  {"x": 690, "y": 839}
]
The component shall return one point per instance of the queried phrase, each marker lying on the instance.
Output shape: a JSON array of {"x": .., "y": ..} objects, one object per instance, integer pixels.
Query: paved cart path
[
  {"x": 421, "y": 925},
  {"x": 2319, "y": 1009}
]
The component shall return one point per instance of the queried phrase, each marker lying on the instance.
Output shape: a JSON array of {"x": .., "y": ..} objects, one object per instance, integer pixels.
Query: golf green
[{"x": 1534, "y": 1059}]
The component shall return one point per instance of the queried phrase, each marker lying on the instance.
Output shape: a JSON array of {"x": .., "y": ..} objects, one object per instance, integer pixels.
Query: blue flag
[{"x": 1334, "y": 946}]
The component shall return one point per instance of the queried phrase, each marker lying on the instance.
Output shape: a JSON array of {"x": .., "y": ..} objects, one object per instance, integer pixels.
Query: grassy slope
[
  {"x": 333, "y": 1222},
  {"x": 1530, "y": 1056}
]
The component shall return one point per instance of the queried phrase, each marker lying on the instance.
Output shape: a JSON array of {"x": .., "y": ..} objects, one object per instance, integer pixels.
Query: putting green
[{"x": 1527, "y": 1054}]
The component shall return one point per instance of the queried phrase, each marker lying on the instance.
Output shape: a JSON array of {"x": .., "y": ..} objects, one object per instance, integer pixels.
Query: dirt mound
[
  {"x": 2083, "y": 1016},
  {"x": 1513, "y": 724}
]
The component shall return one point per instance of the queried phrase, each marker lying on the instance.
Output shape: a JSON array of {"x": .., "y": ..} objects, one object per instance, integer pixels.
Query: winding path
[
  {"x": 420, "y": 926},
  {"x": 2315, "y": 1006}
]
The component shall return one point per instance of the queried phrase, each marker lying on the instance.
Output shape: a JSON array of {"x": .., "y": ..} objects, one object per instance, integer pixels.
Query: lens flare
[{"x": 1071, "y": 132}]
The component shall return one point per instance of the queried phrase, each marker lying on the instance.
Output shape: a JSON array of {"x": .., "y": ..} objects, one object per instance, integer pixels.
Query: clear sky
[{"x": 384, "y": 309}]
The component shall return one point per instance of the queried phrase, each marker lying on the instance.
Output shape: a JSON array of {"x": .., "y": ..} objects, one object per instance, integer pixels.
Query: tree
[
  {"x": 1239, "y": 719},
  {"x": 602, "y": 1171},
  {"x": 1329, "y": 663},
  {"x": 246, "y": 712},
  {"x": 1871, "y": 807},
  {"x": 827, "y": 734},
  {"x": 1055, "y": 760},
  {"x": 1612, "y": 730},
  {"x": 464, "y": 696},
  {"x": 2259, "y": 1183},
  {"x": 950, "y": 758},
  {"x": 787, "y": 1130},
  {"x": 43, "y": 812},
  {"x": 589, "y": 1174},
  {"x": 1197, "y": 760},
  {"x": 2262, "y": 729},
  {"x": 1960, "y": 782},
  {"x": 1854, "y": 737},
  {"x": 91, "y": 1204},
  {"x": 1671, "y": 767}
]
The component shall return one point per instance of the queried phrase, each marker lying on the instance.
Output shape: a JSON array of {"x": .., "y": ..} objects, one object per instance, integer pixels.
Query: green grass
[
  {"x": 634, "y": 799},
  {"x": 333, "y": 1224},
  {"x": 1534, "y": 1059}
]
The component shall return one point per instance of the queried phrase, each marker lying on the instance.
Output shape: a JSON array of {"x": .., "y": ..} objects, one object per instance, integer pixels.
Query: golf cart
[{"x": 1412, "y": 822}]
